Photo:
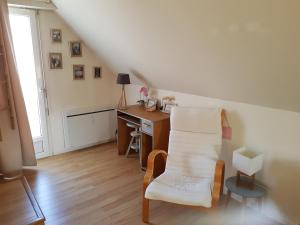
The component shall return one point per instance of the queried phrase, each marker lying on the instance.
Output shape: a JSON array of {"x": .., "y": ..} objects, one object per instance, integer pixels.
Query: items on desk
[
  {"x": 167, "y": 103},
  {"x": 151, "y": 105},
  {"x": 168, "y": 106},
  {"x": 143, "y": 96},
  {"x": 123, "y": 79},
  {"x": 143, "y": 93},
  {"x": 168, "y": 99},
  {"x": 141, "y": 102}
]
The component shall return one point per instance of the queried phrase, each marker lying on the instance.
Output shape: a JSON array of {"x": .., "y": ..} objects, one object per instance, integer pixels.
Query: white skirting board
[{"x": 88, "y": 126}]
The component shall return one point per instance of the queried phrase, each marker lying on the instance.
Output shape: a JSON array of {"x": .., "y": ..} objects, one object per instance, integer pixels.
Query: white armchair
[{"x": 193, "y": 175}]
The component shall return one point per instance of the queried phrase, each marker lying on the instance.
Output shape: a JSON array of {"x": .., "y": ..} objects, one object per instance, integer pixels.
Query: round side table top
[{"x": 258, "y": 192}]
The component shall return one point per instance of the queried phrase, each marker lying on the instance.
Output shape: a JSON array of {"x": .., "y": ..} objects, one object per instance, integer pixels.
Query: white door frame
[{"x": 43, "y": 104}]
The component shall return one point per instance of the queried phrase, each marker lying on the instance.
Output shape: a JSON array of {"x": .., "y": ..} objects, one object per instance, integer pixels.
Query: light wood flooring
[{"x": 96, "y": 186}]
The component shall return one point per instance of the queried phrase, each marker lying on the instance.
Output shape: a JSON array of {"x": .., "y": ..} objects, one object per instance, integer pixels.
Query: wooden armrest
[
  {"x": 150, "y": 165},
  {"x": 218, "y": 182}
]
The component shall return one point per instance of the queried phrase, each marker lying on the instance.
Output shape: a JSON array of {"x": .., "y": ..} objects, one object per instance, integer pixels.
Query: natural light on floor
[{"x": 22, "y": 40}]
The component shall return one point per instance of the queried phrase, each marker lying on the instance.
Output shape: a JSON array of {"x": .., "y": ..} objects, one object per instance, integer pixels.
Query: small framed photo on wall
[
  {"x": 78, "y": 72},
  {"x": 97, "y": 72},
  {"x": 75, "y": 49},
  {"x": 55, "y": 60},
  {"x": 56, "y": 35}
]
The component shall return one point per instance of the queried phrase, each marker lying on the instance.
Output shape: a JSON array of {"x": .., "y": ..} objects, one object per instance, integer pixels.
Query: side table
[{"x": 258, "y": 192}]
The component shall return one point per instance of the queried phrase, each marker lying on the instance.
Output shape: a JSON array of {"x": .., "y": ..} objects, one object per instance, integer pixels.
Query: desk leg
[
  {"x": 228, "y": 197},
  {"x": 146, "y": 148}
]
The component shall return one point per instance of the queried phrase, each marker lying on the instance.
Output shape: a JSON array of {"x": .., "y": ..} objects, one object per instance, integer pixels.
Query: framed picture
[
  {"x": 75, "y": 49},
  {"x": 151, "y": 104},
  {"x": 78, "y": 72},
  {"x": 97, "y": 72},
  {"x": 167, "y": 107},
  {"x": 55, "y": 60},
  {"x": 56, "y": 35}
]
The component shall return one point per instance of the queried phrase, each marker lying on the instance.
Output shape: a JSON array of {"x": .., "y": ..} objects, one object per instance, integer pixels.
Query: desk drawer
[{"x": 147, "y": 127}]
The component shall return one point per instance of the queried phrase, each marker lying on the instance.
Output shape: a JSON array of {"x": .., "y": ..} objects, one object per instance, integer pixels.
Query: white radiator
[{"x": 88, "y": 127}]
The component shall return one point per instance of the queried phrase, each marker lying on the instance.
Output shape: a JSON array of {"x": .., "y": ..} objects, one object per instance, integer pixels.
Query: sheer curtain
[{"x": 16, "y": 147}]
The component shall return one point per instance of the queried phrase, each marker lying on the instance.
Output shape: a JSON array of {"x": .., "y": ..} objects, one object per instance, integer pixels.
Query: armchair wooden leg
[{"x": 145, "y": 210}]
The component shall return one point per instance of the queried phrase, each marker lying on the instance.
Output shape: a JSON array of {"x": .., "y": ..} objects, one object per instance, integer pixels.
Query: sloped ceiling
[{"x": 246, "y": 51}]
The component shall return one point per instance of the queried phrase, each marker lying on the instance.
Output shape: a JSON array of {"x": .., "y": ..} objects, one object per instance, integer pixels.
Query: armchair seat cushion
[{"x": 174, "y": 188}]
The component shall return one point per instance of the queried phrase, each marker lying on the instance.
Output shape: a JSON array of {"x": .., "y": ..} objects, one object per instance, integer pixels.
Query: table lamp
[
  {"x": 123, "y": 79},
  {"x": 247, "y": 163}
]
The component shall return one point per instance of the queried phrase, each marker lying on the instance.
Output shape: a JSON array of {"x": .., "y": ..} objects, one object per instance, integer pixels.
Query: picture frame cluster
[
  {"x": 75, "y": 48},
  {"x": 168, "y": 102}
]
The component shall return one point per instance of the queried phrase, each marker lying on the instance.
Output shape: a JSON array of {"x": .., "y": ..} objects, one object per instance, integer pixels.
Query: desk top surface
[{"x": 140, "y": 112}]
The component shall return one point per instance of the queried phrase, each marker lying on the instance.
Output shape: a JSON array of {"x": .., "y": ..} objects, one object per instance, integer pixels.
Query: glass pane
[{"x": 22, "y": 40}]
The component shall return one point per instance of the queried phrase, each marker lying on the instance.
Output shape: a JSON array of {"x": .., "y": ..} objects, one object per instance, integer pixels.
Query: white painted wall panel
[
  {"x": 63, "y": 92},
  {"x": 88, "y": 128}
]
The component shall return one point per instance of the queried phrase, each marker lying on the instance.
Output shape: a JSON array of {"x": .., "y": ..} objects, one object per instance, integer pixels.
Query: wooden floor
[{"x": 96, "y": 186}]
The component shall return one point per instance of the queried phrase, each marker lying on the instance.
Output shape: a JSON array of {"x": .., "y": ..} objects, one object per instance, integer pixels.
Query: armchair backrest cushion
[
  {"x": 195, "y": 141},
  {"x": 197, "y": 120}
]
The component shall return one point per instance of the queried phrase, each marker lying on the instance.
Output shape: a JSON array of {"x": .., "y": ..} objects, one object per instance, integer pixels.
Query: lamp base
[
  {"x": 245, "y": 181},
  {"x": 122, "y": 102}
]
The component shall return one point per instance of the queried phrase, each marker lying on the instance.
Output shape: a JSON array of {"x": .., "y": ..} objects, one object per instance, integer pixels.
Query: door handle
[{"x": 44, "y": 92}]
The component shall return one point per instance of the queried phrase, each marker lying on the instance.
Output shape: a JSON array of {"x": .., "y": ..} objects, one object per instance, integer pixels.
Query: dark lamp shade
[{"x": 123, "y": 78}]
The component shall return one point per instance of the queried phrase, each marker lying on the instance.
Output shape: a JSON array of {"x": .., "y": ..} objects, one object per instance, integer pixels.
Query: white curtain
[{"x": 16, "y": 147}]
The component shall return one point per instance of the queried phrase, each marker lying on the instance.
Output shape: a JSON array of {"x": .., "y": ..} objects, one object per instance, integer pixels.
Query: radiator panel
[{"x": 88, "y": 128}]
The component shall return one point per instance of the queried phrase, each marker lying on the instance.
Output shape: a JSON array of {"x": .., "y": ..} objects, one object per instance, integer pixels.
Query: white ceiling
[{"x": 246, "y": 51}]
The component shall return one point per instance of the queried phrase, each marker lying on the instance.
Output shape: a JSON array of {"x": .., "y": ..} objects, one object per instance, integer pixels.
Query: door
[{"x": 28, "y": 58}]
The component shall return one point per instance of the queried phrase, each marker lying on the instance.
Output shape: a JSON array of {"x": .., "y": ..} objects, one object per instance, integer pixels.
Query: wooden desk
[{"x": 155, "y": 128}]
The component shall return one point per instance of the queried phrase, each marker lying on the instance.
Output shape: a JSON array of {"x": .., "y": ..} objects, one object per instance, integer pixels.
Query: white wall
[
  {"x": 276, "y": 133},
  {"x": 63, "y": 92},
  {"x": 222, "y": 49}
]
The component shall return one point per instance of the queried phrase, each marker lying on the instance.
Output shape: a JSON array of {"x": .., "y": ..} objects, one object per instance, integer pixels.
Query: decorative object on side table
[
  {"x": 78, "y": 72},
  {"x": 56, "y": 35},
  {"x": 151, "y": 105},
  {"x": 123, "y": 79},
  {"x": 247, "y": 163},
  {"x": 75, "y": 49},
  {"x": 55, "y": 60}
]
